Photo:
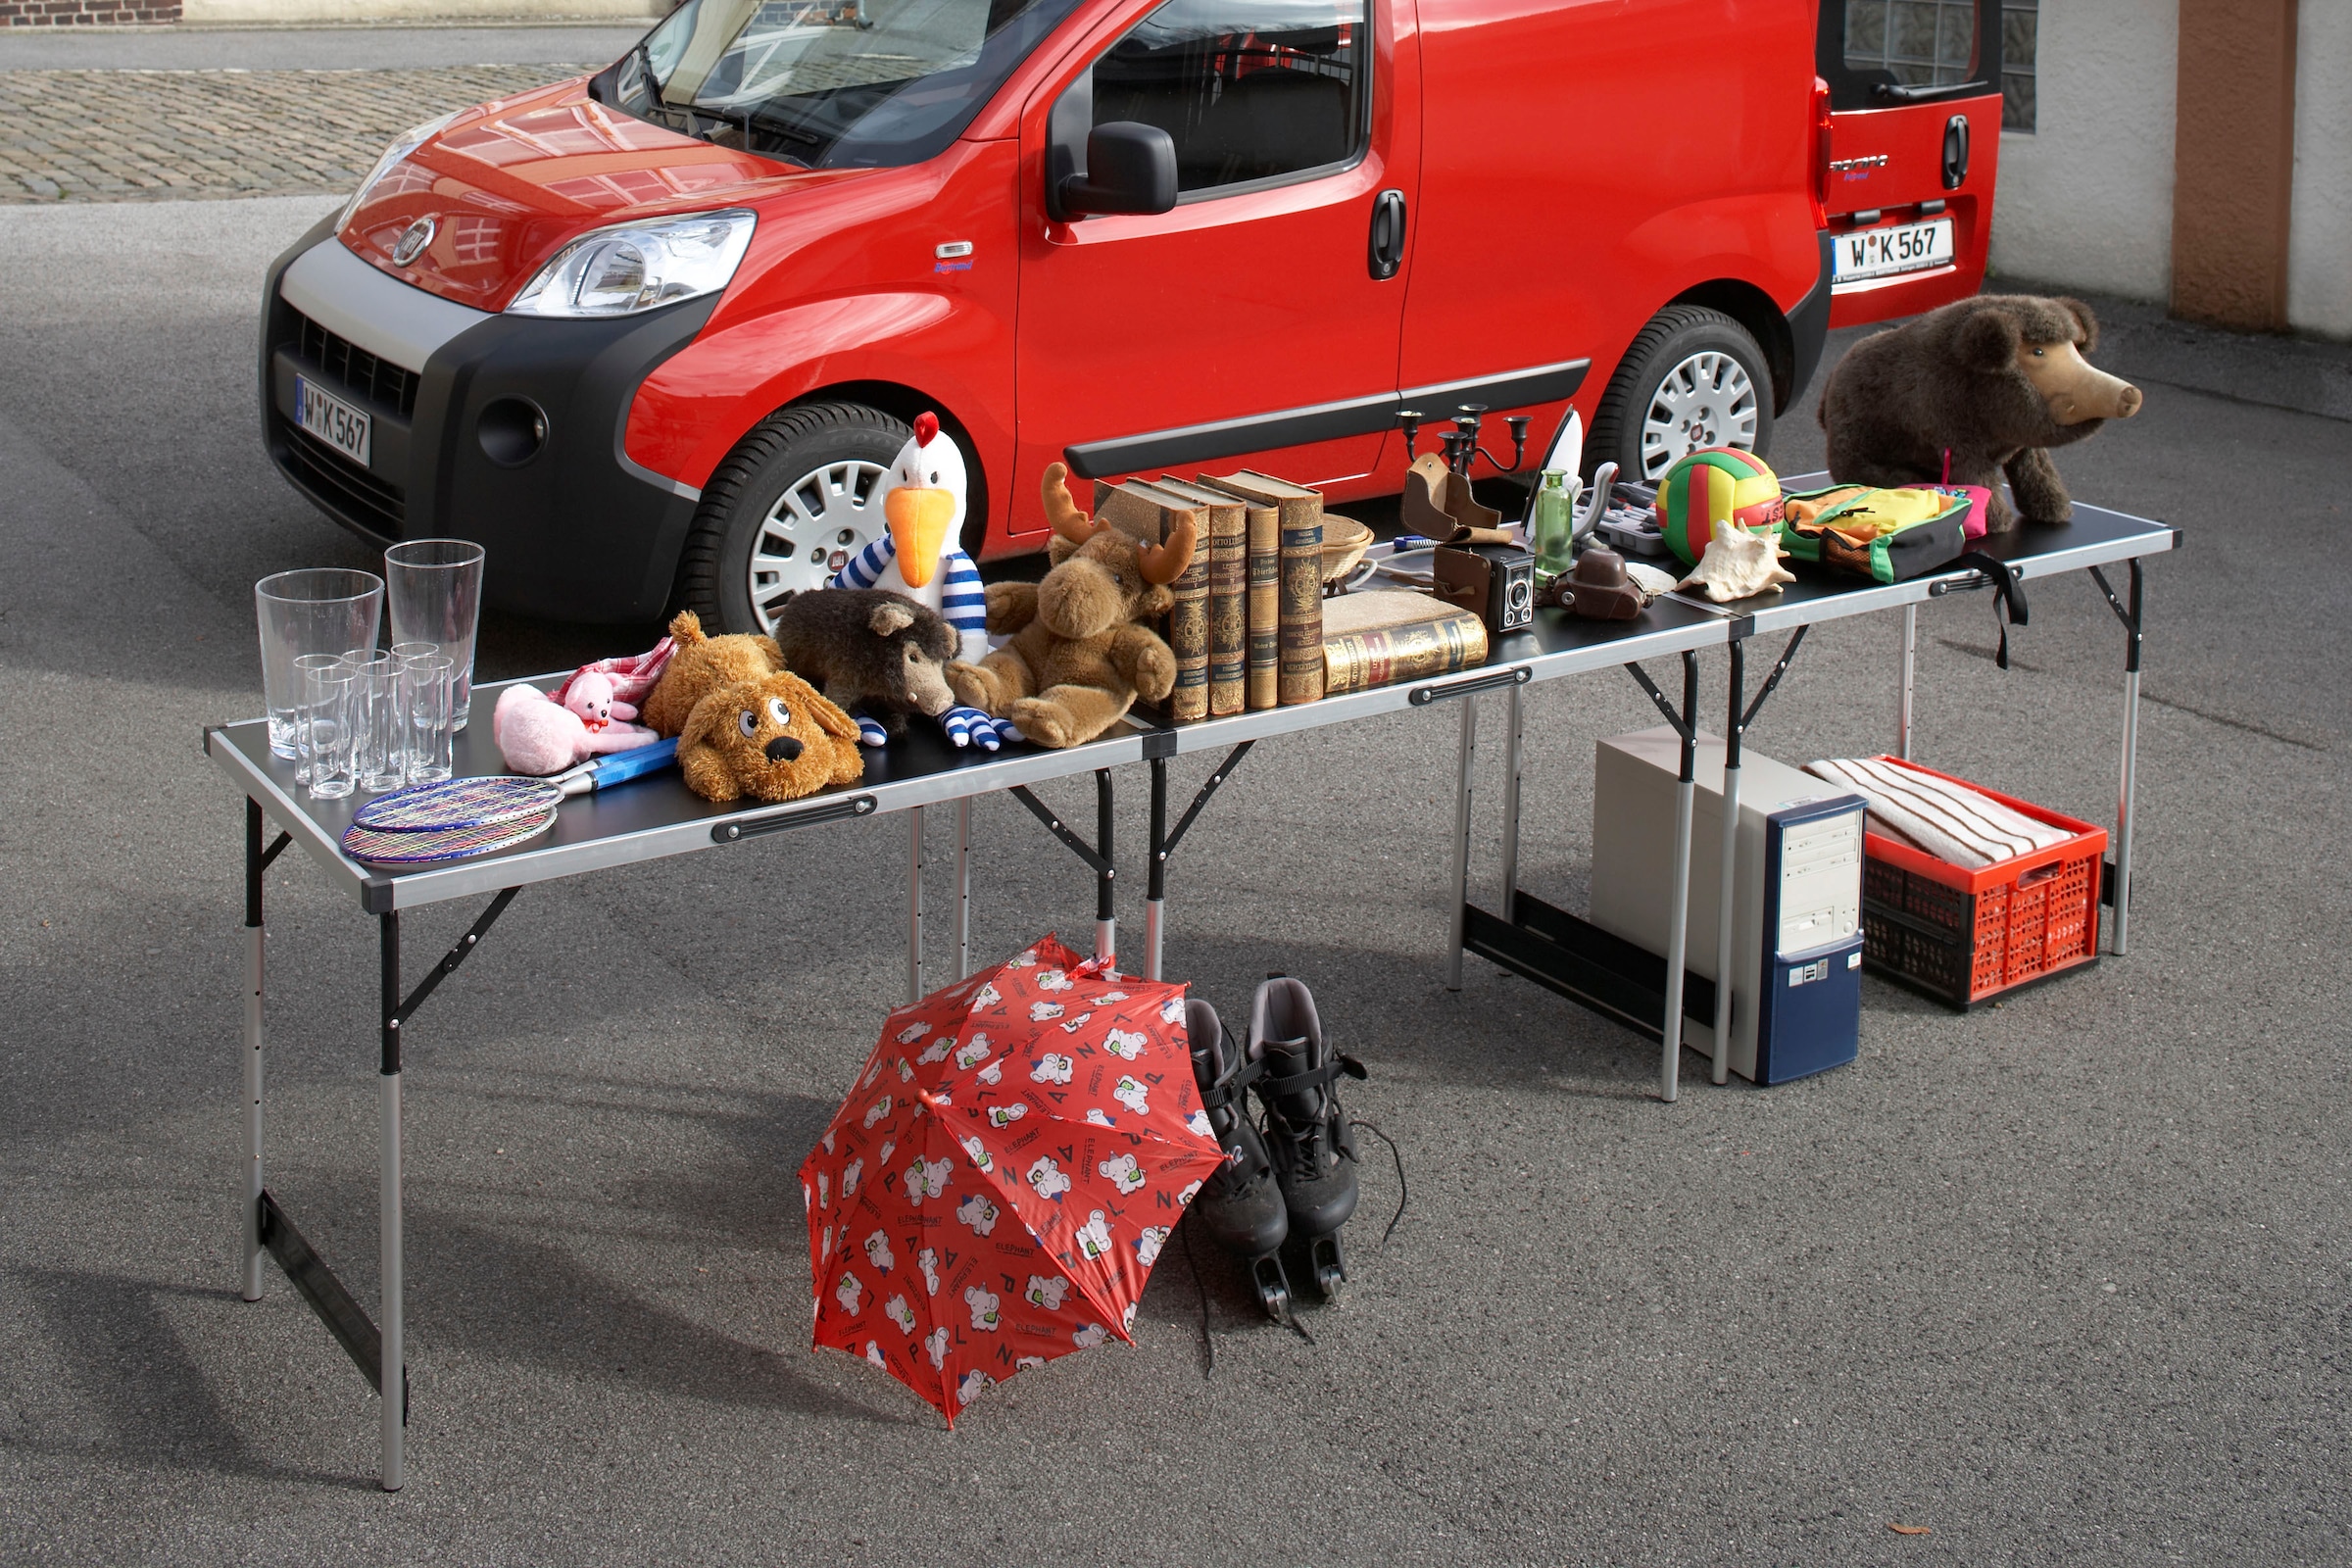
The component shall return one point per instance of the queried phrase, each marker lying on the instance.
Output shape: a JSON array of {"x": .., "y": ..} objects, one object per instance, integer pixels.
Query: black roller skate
[
  {"x": 1306, "y": 1133},
  {"x": 1240, "y": 1206}
]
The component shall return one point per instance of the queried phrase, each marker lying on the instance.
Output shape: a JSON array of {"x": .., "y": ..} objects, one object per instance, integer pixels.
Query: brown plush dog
[
  {"x": 1996, "y": 380},
  {"x": 1078, "y": 661},
  {"x": 772, "y": 738},
  {"x": 700, "y": 666}
]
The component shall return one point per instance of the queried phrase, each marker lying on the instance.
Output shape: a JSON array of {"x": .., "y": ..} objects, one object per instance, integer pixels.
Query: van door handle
[
  {"x": 1955, "y": 151},
  {"x": 1386, "y": 253}
]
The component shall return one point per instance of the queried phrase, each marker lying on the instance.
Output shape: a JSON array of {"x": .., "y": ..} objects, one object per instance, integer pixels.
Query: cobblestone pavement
[{"x": 127, "y": 135}]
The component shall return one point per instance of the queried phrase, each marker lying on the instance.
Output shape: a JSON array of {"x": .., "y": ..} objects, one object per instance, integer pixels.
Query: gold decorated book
[
  {"x": 1226, "y": 545},
  {"x": 1299, "y": 676},
  {"x": 1390, "y": 635}
]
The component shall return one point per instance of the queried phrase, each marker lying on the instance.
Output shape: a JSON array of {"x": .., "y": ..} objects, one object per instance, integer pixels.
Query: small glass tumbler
[
  {"x": 324, "y": 725},
  {"x": 435, "y": 591},
  {"x": 306, "y": 667},
  {"x": 321, "y": 609},
  {"x": 377, "y": 726},
  {"x": 404, "y": 652},
  {"x": 430, "y": 680}
]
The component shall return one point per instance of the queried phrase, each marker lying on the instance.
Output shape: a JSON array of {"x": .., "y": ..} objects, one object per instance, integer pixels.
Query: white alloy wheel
[
  {"x": 817, "y": 527},
  {"x": 1706, "y": 401}
]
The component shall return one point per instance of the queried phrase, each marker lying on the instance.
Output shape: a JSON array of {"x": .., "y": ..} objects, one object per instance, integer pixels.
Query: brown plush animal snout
[
  {"x": 927, "y": 681},
  {"x": 1083, "y": 597},
  {"x": 2074, "y": 389},
  {"x": 783, "y": 748}
]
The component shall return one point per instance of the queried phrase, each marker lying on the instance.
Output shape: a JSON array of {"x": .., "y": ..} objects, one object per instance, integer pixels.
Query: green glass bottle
[{"x": 1553, "y": 522}]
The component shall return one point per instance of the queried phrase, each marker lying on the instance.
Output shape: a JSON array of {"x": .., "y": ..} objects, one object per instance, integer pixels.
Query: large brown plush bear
[
  {"x": 1995, "y": 381},
  {"x": 1078, "y": 658}
]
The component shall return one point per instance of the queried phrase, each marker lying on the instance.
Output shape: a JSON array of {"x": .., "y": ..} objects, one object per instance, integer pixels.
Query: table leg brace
[{"x": 1459, "y": 891}]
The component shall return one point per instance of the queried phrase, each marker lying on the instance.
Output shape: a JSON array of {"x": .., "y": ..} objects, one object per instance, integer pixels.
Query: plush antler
[
  {"x": 1163, "y": 564},
  {"x": 1063, "y": 511}
]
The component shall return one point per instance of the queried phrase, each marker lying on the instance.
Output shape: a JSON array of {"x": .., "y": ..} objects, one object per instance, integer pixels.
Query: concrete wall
[
  {"x": 2319, "y": 282},
  {"x": 284, "y": 13},
  {"x": 2086, "y": 199}
]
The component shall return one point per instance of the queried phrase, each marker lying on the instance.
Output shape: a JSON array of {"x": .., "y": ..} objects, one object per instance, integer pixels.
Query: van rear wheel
[
  {"x": 1692, "y": 379},
  {"x": 787, "y": 509}
]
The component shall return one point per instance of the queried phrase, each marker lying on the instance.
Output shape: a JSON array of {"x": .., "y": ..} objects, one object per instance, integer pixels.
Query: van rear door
[{"x": 1912, "y": 93}]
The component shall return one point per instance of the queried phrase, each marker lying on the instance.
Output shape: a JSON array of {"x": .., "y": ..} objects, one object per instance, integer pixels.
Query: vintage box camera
[{"x": 1497, "y": 583}]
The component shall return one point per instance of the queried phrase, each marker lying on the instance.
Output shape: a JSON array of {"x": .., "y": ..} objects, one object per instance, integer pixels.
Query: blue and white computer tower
[{"x": 1796, "y": 905}]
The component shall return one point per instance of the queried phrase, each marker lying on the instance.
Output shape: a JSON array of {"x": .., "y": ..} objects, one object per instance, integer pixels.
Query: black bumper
[{"x": 572, "y": 530}]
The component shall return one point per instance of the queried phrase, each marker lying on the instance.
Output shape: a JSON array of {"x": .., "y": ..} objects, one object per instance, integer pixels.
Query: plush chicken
[
  {"x": 922, "y": 500},
  {"x": 923, "y": 504}
]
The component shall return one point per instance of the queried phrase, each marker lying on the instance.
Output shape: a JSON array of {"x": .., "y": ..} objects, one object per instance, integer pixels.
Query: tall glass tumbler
[
  {"x": 436, "y": 597},
  {"x": 323, "y": 723},
  {"x": 319, "y": 610},
  {"x": 379, "y": 733},
  {"x": 430, "y": 682}
]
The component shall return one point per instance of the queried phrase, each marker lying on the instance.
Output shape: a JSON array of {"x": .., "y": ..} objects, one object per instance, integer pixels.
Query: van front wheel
[
  {"x": 1692, "y": 379},
  {"x": 787, "y": 509}
]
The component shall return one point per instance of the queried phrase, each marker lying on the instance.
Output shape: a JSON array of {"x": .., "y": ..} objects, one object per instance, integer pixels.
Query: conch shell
[{"x": 1739, "y": 564}]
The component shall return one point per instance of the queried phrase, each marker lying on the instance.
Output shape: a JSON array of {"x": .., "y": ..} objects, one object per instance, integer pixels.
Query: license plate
[
  {"x": 347, "y": 429},
  {"x": 1884, "y": 252}
]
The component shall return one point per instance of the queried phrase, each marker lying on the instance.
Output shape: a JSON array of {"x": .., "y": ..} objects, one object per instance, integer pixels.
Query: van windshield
[{"x": 829, "y": 83}]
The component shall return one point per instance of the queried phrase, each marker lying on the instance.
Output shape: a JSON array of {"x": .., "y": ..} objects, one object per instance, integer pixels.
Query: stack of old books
[{"x": 1251, "y": 628}]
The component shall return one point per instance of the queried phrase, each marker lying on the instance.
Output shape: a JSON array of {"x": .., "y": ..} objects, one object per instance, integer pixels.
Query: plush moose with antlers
[{"x": 1079, "y": 655}]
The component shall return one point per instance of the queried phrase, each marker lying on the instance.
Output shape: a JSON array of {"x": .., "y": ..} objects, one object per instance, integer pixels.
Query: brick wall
[{"x": 84, "y": 13}]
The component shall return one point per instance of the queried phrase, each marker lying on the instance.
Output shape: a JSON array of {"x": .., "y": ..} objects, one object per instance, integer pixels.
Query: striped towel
[
  {"x": 961, "y": 602},
  {"x": 1950, "y": 821}
]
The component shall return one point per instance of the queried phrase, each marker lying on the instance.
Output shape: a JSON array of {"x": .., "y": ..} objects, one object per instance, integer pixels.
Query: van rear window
[{"x": 828, "y": 83}]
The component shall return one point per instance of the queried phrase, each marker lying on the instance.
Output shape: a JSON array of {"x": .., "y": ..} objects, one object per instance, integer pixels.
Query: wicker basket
[{"x": 1344, "y": 541}]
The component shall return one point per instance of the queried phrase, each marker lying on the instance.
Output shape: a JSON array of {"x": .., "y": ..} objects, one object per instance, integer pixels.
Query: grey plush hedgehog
[{"x": 869, "y": 650}]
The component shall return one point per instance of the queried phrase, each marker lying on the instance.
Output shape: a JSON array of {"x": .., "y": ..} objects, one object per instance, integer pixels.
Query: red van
[{"x": 651, "y": 335}]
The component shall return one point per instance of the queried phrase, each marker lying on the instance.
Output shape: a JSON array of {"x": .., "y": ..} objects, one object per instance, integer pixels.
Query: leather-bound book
[
  {"x": 1390, "y": 635},
  {"x": 1149, "y": 513},
  {"x": 1298, "y": 677},
  {"x": 1228, "y": 548}
]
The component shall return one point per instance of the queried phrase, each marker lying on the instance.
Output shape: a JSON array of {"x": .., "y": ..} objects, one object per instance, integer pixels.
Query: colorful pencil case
[{"x": 1887, "y": 535}]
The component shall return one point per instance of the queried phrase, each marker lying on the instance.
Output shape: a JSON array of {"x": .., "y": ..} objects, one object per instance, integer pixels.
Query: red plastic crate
[{"x": 1963, "y": 935}]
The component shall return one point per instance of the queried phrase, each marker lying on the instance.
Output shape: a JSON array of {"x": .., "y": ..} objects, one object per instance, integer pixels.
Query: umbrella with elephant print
[{"x": 997, "y": 1187}]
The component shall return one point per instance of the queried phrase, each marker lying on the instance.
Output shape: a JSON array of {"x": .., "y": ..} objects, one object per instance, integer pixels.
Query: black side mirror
[{"x": 1130, "y": 168}]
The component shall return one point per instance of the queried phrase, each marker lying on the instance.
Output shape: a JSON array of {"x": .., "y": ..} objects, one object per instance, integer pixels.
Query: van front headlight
[
  {"x": 410, "y": 140},
  {"x": 639, "y": 266}
]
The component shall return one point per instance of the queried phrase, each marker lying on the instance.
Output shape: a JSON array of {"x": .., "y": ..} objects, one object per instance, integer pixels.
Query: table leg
[
  {"x": 2120, "y": 940},
  {"x": 1106, "y": 910},
  {"x": 392, "y": 1367},
  {"x": 1459, "y": 890},
  {"x": 915, "y": 904},
  {"x": 1515, "y": 735},
  {"x": 1156, "y": 887},
  {"x": 1902, "y": 732},
  {"x": 251, "y": 1285},
  {"x": 1678, "y": 935},
  {"x": 963, "y": 886},
  {"x": 1727, "y": 875}
]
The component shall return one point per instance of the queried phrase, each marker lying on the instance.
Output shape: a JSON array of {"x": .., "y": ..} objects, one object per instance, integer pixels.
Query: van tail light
[{"x": 1821, "y": 128}]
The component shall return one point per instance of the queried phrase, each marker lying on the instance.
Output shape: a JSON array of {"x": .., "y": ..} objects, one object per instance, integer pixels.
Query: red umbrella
[{"x": 996, "y": 1189}]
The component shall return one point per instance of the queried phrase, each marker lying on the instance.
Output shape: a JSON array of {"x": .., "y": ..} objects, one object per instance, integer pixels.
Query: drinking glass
[
  {"x": 404, "y": 652},
  {"x": 377, "y": 729},
  {"x": 323, "y": 722},
  {"x": 436, "y": 597},
  {"x": 306, "y": 666},
  {"x": 319, "y": 610},
  {"x": 430, "y": 680}
]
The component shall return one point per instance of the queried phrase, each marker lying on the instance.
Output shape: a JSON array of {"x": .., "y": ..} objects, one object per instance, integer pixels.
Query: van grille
[
  {"x": 371, "y": 503},
  {"x": 339, "y": 359}
]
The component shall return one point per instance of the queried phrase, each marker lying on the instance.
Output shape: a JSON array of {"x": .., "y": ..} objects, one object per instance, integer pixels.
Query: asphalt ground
[{"x": 2061, "y": 1280}]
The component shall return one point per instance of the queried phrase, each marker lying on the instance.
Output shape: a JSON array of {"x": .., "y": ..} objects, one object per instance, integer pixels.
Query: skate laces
[{"x": 1403, "y": 1193}]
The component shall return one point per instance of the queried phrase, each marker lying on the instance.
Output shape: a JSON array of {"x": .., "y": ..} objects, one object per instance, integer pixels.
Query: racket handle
[{"x": 621, "y": 766}]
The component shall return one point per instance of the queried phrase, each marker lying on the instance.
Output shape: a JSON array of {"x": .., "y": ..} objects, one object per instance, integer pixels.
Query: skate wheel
[
  {"x": 1273, "y": 1287},
  {"x": 1329, "y": 1277}
]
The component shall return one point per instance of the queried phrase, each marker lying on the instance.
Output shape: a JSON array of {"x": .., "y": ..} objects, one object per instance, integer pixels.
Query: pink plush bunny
[
  {"x": 590, "y": 695},
  {"x": 538, "y": 735}
]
